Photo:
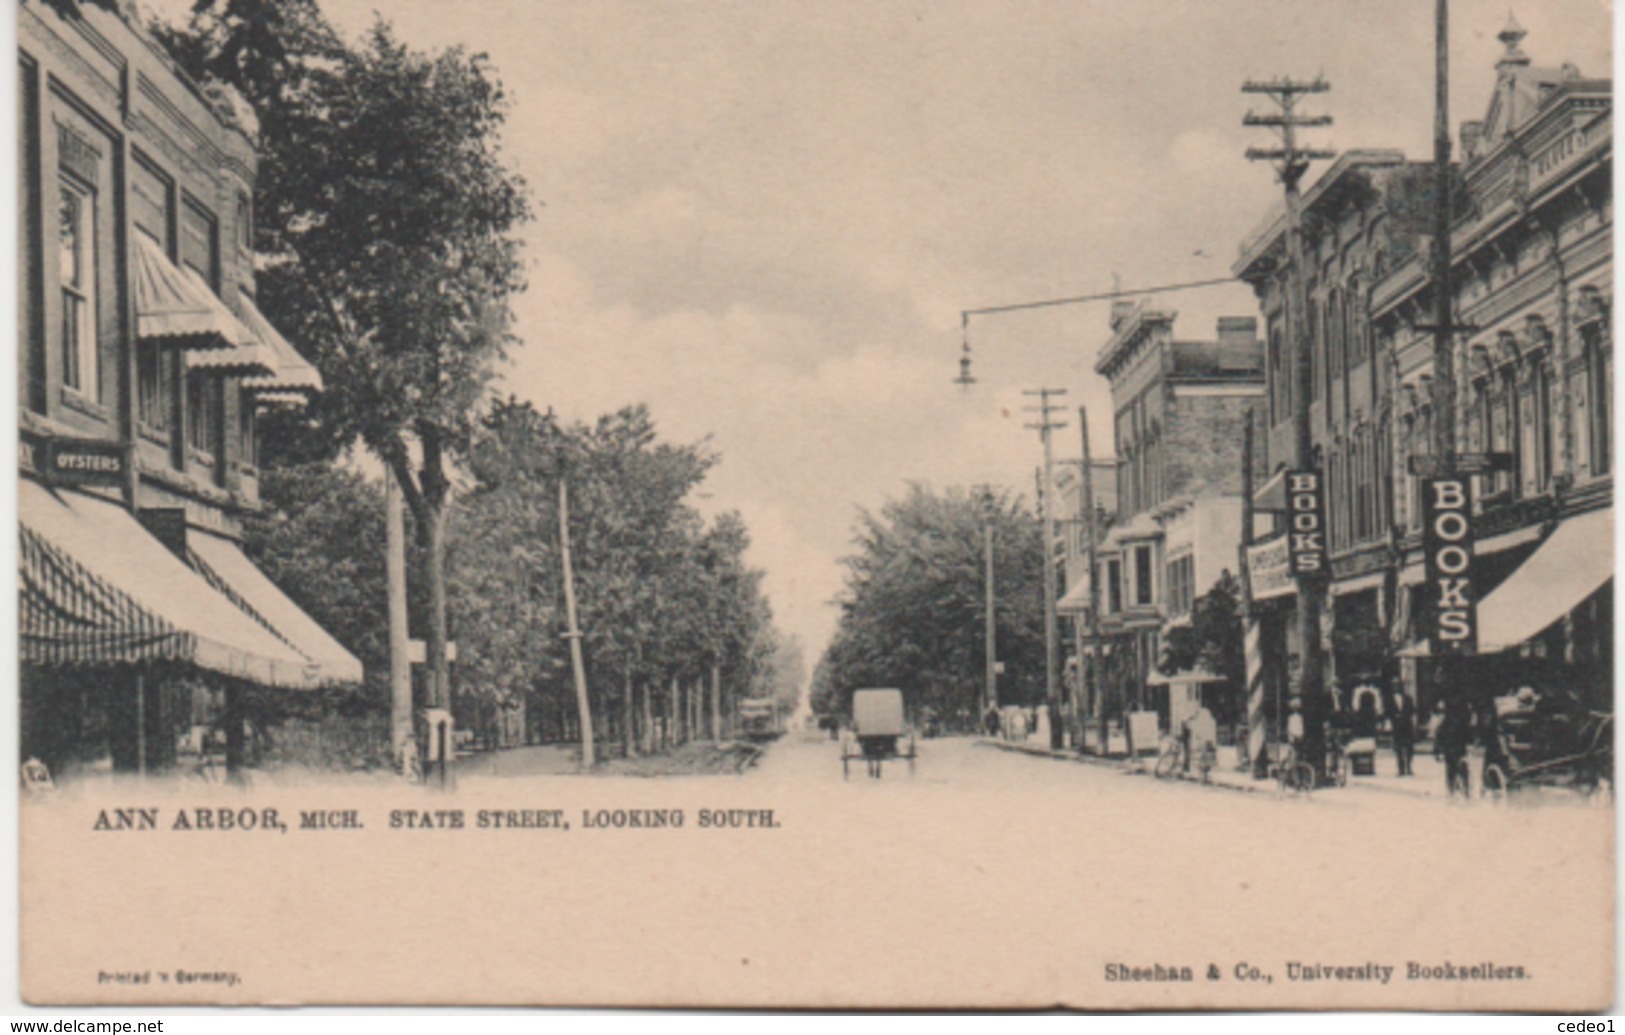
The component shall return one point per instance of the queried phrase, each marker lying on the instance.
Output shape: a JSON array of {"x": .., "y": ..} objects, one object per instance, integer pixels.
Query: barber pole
[{"x": 1253, "y": 649}]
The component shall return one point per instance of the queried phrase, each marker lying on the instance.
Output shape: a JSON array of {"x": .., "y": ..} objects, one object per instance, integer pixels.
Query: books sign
[
  {"x": 1306, "y": 512},
  {"x": 1447, "y": 547}
]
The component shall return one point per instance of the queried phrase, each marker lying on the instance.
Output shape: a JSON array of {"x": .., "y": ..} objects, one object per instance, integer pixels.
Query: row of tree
[
  {"x": 387, "y": 234},
  {"x": 913, "y": 610}
]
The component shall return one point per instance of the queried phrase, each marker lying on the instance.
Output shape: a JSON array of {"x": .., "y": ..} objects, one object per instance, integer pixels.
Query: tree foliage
[
  {"x": 662, "y": 595},
  {"x": 386, "y": 225},
  {"x": 912, "y": 611},
  {"x": 1214, "y": 638}
]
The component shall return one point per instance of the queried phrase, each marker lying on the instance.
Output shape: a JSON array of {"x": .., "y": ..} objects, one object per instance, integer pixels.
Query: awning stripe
[
  {"x": 69, "y": 616},
  {"x": 172, "y": 304},
  {"x": 98, "y": 588},
  {"x": 292, "y": 373}
]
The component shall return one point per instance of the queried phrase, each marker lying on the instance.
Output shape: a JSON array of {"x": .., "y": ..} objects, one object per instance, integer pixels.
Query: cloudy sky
[{"x": 764, "y": 218}]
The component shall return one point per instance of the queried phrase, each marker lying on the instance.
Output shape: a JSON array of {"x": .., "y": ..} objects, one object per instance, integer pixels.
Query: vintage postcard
[{"x": 1083, "y": 503}]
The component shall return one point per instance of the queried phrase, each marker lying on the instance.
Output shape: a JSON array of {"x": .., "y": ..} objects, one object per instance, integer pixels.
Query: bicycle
[
  {"x": 1293, "y": 775},
  {"x": 1170, "y": 759}
]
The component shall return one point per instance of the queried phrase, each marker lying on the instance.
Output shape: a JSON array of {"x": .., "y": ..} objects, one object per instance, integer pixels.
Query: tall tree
[{"x": 387, "y": 229}]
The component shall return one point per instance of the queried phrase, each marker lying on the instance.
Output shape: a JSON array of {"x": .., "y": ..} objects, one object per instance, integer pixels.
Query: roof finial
[{"x": 1510, "y": 37}]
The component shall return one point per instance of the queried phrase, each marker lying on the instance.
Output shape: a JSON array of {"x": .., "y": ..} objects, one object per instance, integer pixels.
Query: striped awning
[
  {"x": 235, "y": 577},
  {"x": 293, "y": 376},
  {"x": 97, "y": 588},
  {"x": 175, "y": 306}
]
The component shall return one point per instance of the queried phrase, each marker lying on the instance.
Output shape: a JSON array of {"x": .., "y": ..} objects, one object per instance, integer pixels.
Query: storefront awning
[
  {"x": 1574, "y": 562},
  {"x": 292, "y": 377},
  {"x": 175, "y": 305},
  {"x": 1076, "y": 600},
  {"x": 1271, "y": 496},
  {"x": 228, "y": 570},
  {"x": 97, "y": 588}
]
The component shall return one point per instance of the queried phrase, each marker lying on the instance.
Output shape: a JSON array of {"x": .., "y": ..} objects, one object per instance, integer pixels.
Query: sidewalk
[{"x": 1427, "y": 781}]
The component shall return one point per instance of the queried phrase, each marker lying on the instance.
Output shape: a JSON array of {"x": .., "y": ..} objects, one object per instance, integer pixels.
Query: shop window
[{"x": 76, "y": 272}]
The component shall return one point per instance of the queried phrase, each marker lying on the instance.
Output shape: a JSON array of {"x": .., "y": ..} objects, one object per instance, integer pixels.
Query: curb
[{"x": 1111, "y": 763}]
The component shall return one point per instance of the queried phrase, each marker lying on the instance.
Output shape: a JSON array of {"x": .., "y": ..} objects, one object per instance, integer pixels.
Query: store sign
[
  {"x": 1306, "y": 522},
  {"x": 1269, "y": 569},
  {"x": 68, "y": 461},
  {"x": 1447, "y": 547}
]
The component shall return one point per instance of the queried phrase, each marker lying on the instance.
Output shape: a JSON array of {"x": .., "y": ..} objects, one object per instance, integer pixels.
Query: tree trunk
[
  {"x": 439, "y": 668},
  {"x": 716, "y": 702},
  {"x": 648, "y": 717},
  {"x": 628, "y": 734}
]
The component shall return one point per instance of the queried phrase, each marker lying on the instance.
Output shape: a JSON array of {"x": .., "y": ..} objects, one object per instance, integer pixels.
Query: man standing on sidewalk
[{"x": 1402, "y": 720}]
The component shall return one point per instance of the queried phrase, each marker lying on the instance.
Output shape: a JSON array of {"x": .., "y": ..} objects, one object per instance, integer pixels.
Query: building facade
[
  {"x": 1532, "y": 269},
  {"x": 1362, "y": 218},
  {"x": 1532, "y": 285},
  {"x": 142, "y": 362},
  {"x": 1179, "y": 412}
]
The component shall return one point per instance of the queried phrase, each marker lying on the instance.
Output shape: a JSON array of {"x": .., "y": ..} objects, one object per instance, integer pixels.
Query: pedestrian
[
  {"x": 990, "y": 722},
  {"x": 1450, "y": 745},
  {"x": 1402, "y": 720},
  {"x": 1294, "y": 727},
  {"x": 1367, "y": 703}
]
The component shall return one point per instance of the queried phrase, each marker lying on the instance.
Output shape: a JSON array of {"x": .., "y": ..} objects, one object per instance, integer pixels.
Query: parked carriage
[{"x": 1548, "y": 740}]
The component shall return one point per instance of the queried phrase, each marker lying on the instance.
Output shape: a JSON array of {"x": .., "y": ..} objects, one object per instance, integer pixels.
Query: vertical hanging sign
[
  {"x": 1306, "y": 512},
  {"x": 1447, "y": 546}
]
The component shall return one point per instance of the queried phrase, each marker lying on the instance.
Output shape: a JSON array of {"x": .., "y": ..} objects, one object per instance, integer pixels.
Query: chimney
[
  {"x": 1238, "y": 330},
  {"x": 1122, "y": 311}
]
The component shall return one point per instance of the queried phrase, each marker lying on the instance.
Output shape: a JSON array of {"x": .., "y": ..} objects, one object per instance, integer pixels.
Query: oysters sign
[{"x": 1447, "y": 546}]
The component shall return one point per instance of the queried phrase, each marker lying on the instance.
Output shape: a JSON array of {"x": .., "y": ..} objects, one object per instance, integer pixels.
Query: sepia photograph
[{"x": 1079, "y": 504}]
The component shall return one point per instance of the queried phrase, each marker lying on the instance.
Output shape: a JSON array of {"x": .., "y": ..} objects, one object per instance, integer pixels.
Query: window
[
  {"x": 1280, "y": 405},
  {"x": 203, "y": 412},
  {"x": 1143, "y": 587},
  {"x": 1182, "y": 585},
  {"x": 246, "y": 445},
  {"x": 1599, "y": 376},
  {"x": 1540, "y": 430},
  {"x": 1114, "y": 586},
  {"x": 76, "y": 271}
]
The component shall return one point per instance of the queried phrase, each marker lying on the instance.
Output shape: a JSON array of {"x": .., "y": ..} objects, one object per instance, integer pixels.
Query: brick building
[
  {"x": 1533, "y": 286},
  {"x": 1179, "y": 410},
  {"x": 142, "y": 361},
  {"x": 1361, "y": 219},
  {"x": 1532, "y": 252}
]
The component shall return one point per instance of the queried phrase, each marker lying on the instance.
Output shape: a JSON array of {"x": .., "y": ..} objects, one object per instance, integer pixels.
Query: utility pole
[
  {"x": 1444, "y": 358},
  {"x": 573, "y": 631},
  {"x": 1092, "y": 543},
  {"x": 1290, "y": 162},
  {"x": 1046, "y": 507},
  {"x": 400, "y": 666},
  {"x": 990, "y": 613}
]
